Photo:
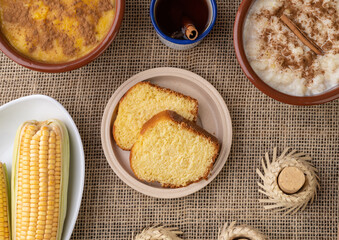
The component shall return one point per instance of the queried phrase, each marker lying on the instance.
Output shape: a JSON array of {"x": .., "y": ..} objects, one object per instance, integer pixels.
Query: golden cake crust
[
  {"x": 190, "y": 126},
  {"x": 165, "y": 90}
]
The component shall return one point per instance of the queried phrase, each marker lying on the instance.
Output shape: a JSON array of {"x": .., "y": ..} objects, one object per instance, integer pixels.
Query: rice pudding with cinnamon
[{"x": 280, "y": 58}]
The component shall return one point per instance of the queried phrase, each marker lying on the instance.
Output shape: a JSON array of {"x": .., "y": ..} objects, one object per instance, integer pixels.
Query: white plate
[
  {"x": 213, "y": 116},
  {"x": 39, "y": 107}
]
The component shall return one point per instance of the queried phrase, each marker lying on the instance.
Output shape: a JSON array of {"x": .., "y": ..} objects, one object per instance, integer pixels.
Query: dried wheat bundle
[
  {"x": 158, "y": 232},
  {"x": 232, "y": 232},
  {"x": 279, "y": 200}
]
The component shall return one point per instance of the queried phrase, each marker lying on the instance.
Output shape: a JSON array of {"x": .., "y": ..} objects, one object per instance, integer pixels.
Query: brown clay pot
[
  {"x": 25, "y": 61},
  {"x": 253, "y": 77}
]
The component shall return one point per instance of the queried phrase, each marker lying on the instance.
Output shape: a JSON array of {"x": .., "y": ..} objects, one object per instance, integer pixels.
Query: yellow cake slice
[
  {"x": 142, "y": 102},
  {"x": 173, "y": 151}
]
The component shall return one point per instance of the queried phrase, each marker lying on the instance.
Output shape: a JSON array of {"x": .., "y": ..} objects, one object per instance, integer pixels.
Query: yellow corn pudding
[{"x": 56, "y": 31}]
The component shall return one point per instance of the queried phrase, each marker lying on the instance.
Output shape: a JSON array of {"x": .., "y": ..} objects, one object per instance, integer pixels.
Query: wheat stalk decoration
[
  {"x": 279, "y": 200},
  {"x": 233, "y": 232},
  {"x": 158, "y": 232}
]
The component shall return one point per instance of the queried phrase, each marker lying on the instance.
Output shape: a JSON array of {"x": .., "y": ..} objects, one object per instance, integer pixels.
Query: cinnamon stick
[
  {"x": 301, "y": 35},
  {"x": 189, "y": 29}
]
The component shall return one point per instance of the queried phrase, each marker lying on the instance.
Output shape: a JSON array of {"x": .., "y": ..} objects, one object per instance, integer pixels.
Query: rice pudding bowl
[{"x": 280, "y": 58}]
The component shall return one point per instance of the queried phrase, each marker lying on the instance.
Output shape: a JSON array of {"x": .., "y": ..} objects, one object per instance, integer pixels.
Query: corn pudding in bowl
[{"x": 58, "y": 35}]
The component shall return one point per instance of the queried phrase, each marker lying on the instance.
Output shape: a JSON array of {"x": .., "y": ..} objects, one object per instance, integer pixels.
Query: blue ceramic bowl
[{"x": 183, "y": 44}]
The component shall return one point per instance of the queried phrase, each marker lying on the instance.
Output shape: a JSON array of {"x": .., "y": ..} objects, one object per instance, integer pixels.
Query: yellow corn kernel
[
  {"x": 4, "y": 204},
  {"x": 40, "y": 179}
]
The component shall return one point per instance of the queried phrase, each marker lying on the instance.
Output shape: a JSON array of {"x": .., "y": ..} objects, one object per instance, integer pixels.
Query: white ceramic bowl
[
  {"x": 39, "y": 107},
  {"x": 213, "y": 117}
]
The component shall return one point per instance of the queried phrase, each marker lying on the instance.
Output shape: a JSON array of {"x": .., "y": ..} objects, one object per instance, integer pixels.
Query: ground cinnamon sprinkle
[
  {"x": 309, "y": 17},
  {"x": 43, "y": 31}
]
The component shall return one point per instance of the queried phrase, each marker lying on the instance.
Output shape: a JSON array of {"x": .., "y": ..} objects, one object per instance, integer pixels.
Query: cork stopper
[{"x": 291, "y": 180}]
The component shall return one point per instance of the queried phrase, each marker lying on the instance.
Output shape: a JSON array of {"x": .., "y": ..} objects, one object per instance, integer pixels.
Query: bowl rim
[
  {"x": 240, "y": 18},
  {"x": 179, "y": 41},
  {"x": 32, "y": 64}
]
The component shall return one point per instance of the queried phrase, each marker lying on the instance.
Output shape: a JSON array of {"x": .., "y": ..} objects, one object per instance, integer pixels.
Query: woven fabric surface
[{"x": 112, "y": 210}]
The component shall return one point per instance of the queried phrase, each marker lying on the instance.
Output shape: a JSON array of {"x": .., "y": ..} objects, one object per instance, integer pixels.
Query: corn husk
[
  {"x": 158, "y": 232},
  {"x": 277, "y": 199},
  {"x": 231, "y": 232}
]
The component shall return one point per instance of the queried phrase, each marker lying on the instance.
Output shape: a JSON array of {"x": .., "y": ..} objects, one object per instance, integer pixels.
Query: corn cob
[
  {"x": 40, "y": 180},
  {"x": 5, "y": 231}
]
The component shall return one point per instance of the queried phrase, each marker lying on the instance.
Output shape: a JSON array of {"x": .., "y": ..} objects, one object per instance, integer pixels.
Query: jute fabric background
[{"x": 112, "y": 210}]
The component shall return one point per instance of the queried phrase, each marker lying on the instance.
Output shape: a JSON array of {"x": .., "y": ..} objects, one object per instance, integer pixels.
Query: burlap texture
[{"x": 112, "y": 210}]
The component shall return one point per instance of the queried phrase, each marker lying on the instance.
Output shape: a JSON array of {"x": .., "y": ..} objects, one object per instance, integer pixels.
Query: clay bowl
[
  {"x": 25, "y": 61},
  {"x": 253, "y": 77}
]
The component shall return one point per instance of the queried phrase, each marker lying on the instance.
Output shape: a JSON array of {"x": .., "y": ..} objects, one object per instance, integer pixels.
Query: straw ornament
[
  {"x": 158, "y": 232},
  {"x": 233, "y": 232},
  {"x": 277, "y": 198}
]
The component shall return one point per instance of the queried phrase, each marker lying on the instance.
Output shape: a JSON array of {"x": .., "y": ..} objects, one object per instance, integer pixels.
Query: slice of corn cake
[
  {"x": 142, "y": 102},
  {"x": 173, "y": 151}
]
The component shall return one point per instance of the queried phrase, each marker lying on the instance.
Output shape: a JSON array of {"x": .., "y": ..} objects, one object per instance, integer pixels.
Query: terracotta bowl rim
[
  {"x": 327, "y": 96},
  {"x": 32, "y": 64}
]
